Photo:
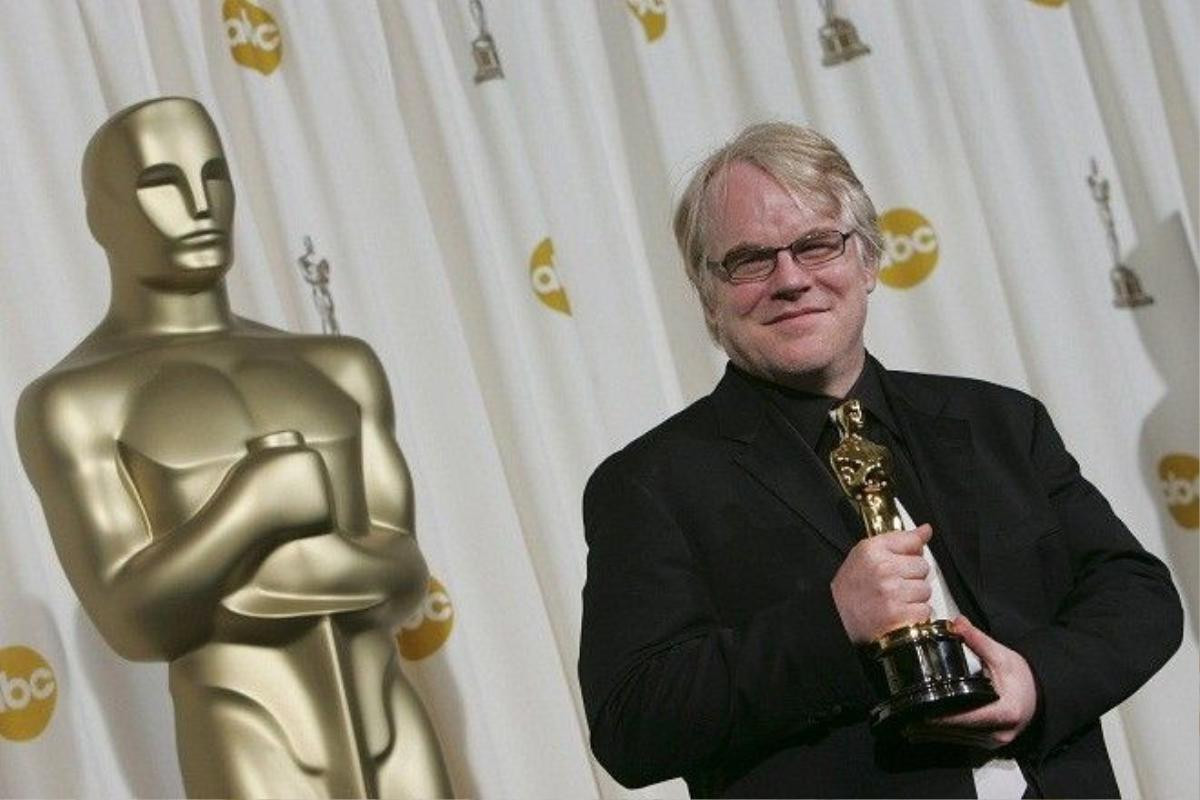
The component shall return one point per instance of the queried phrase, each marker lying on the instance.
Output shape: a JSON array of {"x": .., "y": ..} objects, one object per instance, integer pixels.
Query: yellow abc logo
[
  {"x": 1180, "y": 476},
  {"x": 910, "y": 248},
  {"x": 253, "y": 35},
  {"x": 544, "y": 277},
  {"x": 28, "y": 693},
  {"x": 652, "y": 14},
  {"x": 427, "y": 628}
]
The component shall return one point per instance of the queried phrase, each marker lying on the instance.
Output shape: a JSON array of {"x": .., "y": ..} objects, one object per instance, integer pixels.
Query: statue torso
[{"x": 181, "y": 411}]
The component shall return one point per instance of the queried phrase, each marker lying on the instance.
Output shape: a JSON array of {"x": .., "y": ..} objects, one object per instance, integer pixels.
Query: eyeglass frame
[{"x": 724, "y": 268}]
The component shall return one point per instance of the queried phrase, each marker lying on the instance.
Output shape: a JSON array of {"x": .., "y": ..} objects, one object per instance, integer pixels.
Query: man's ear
[
  {"x": 870, "y": 265},
  {"x": 710, "y": 309}
]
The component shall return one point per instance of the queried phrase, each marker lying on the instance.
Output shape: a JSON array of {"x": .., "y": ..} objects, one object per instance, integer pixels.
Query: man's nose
[{"x": 788, "y": 275}]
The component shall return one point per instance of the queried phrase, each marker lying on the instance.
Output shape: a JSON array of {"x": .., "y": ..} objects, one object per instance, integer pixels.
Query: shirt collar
[
  {"x": 869, "y": 391},
  {"x": 809, "y": 412}
]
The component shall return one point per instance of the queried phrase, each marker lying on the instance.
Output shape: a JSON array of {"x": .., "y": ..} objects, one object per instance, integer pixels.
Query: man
[
  {"x": 729, "y": 587},
  {"x": 229, "y": 497}
]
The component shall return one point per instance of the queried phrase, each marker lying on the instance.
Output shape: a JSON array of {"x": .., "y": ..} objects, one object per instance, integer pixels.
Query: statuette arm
[
  {"x": 370, "y": 556},
  {"x": 134, "y": 586}
]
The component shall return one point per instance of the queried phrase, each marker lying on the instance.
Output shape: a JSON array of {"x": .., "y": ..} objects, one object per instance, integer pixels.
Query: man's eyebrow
[
  {"x": 743, "y": 249},
  {"x": 753, "y": 248}
]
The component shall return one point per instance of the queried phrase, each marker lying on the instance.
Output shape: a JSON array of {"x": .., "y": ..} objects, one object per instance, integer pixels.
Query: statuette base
[{"x": 923, "y": 672}]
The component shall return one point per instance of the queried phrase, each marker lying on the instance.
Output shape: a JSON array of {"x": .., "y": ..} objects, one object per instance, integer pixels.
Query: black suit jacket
[{"x": 711, "y": 648}]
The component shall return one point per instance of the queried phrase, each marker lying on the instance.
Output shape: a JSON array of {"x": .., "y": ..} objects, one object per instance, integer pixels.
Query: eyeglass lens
[{"x": 810, "y": 250}]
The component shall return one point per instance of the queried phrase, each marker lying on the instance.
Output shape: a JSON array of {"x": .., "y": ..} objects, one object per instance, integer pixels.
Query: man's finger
[
  {"x": 988, "y": 649},
  {"x": 984, "y": 718},
  {"x": 913, "y": 567},
  {"x": 908, "y": 542},
  {"x": 913, "y": 591}
]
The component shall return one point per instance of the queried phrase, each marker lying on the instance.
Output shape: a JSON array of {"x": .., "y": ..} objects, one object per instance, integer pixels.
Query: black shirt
[{"x": 808, "y": 415}]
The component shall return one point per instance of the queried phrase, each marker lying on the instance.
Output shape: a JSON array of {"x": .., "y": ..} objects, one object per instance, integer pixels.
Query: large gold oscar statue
[{"x": 229, "y": 497}]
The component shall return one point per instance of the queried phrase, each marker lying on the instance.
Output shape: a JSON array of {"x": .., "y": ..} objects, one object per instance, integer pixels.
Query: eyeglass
[{"x": 811, "y": 252}]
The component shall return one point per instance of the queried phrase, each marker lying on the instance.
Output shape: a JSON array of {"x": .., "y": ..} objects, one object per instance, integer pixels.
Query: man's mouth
[{"x": 795, "y": 313}]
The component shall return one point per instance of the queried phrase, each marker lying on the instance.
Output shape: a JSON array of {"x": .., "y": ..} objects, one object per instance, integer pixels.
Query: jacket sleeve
[
  {"x": 668, "y": 688},
  {"x": 1119, "y": 620}
]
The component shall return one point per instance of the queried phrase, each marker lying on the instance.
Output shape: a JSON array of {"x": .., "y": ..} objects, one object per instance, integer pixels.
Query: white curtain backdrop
[{"x": 505, "y": 248}]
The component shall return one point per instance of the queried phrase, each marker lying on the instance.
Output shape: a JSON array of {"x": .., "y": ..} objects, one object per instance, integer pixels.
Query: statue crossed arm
[
  {"x": 136, "y": 587},
  {"x": 136, "y": 583}
]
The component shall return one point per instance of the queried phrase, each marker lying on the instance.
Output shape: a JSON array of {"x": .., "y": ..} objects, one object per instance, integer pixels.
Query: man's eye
[
  {"x": 752, "y": 261},
  {"x": 816, "y": 250}
]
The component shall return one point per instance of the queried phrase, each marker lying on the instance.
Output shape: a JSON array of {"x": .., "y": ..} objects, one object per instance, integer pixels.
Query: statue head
[{"x": 159, "y": 197}]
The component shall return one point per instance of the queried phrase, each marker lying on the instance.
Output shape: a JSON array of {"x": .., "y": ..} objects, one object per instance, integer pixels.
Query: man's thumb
[{"x": 984, "y": 646}]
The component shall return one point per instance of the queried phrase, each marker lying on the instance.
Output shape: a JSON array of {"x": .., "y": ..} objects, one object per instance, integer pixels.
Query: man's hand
[
  {"x": 881, "y": 585},
  {"x": 998, "y": 723}
]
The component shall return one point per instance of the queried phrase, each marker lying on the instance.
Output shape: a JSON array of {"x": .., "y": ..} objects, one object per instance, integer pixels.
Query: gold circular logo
[
  {"x": 652, "y": 14},
  {"x": 544, "y": 277},
  {"x": 28, "y": 693},
  {"x": 910, "y": 248},
  {"x": 1180, "y": 476},
  {"x": 253, "y": 35},
  {"x": 427, "y": 628}
]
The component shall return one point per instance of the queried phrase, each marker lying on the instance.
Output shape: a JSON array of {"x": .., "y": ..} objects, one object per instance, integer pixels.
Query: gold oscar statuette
[
  {"x": 229, "y": 497},
  {"x": 919, "y": 670}
]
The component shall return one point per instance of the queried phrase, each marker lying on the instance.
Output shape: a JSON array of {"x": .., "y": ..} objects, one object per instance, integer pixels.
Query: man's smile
[{"x": 796, "y": 313}]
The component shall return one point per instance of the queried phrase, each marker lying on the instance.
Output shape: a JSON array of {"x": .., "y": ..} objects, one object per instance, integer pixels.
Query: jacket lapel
[
  {"x": 775, "y": 455},
  {"x": 944, "y": 459}
]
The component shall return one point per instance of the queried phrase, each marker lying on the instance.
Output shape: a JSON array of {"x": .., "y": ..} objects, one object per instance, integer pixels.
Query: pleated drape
[{"x": 504, "y": 245}]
